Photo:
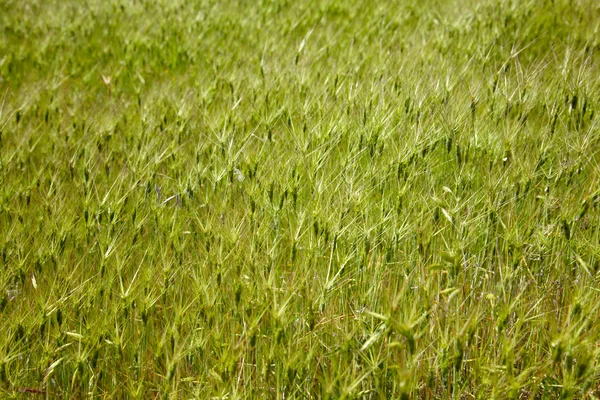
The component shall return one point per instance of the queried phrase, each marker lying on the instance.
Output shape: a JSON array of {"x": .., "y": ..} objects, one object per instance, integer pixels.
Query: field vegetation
[{"x": 289, "y": 199}]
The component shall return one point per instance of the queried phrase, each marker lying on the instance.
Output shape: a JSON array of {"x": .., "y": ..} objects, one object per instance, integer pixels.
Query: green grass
[{"x": 287, "y": 199}]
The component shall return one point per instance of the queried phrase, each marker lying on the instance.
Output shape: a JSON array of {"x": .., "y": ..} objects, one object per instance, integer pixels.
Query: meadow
[{"x": 287, "y": 199}]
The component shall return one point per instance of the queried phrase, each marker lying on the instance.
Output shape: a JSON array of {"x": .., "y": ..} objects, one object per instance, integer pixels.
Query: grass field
[{"x": 288, "y": 199}]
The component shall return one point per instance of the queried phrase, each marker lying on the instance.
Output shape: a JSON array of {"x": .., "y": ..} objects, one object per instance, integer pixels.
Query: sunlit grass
[{"x": 322, "y": 199}]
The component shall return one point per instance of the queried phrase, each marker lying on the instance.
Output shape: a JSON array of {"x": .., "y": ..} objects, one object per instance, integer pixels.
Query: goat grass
[{"x": 277, "y": 199}]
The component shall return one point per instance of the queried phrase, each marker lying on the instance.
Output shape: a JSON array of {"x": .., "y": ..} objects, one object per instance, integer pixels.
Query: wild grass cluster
[{"x": 288, "y": 199}]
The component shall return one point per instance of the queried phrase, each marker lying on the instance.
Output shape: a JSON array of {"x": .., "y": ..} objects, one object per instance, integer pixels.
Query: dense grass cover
[{"x": 325, "y": 199}]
